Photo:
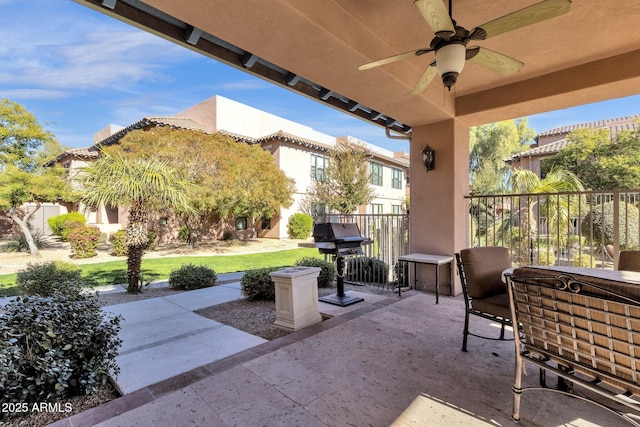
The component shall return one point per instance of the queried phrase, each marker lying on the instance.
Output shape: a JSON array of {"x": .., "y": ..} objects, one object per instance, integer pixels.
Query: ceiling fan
[{"x": 450, "y": 41}]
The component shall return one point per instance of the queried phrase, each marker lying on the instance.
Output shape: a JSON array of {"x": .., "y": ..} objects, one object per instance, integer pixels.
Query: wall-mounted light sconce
[{"x": 429, "y": 158}]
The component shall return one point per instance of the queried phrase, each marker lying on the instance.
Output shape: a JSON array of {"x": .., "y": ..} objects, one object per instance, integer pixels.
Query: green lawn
[{"x": 115, "y": 272}]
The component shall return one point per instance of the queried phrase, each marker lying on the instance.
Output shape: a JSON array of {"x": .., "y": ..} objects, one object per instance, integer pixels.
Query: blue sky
[{"x": 78, "y": 71}]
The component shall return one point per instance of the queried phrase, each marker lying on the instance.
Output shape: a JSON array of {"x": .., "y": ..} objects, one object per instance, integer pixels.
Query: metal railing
[
  {"x": 389, "y": 238},
  {"x": 586, "y": 229}
]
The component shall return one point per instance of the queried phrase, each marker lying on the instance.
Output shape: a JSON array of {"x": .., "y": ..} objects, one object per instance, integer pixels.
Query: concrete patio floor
[{"x": 391, "y": 362}]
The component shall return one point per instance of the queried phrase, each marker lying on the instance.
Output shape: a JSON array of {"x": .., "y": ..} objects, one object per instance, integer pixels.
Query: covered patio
[
  {"x": 586, "y": 55},
  {"x": 396, "y": 361}
]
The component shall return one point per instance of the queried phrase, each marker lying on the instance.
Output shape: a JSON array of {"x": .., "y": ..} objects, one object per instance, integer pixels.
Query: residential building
[
  {"x": 549, "y": 142},
  {"x": 298, "y": 150}
]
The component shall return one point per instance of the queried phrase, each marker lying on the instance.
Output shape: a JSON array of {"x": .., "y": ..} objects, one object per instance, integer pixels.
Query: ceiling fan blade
[
  {"x": 529, "y": 15},
  {"x": 493, "y": 60},
  {"x": 393, "y": 58},
  {"x": 424, "y": 80},
  {"x": 436, "y": 15}
]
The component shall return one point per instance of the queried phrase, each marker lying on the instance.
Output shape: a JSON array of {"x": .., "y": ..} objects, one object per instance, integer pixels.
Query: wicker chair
[
  {"x": 629, "y": 261},
  {"x": 485, "y": 293}
]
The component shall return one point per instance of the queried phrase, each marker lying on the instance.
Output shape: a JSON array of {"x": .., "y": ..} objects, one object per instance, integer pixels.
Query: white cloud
[
  {"x": 34, "y": 94},
  {"x": 72, "y": 53}
]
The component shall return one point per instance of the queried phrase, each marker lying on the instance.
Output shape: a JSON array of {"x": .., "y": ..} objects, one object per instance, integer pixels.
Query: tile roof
[
  {"x": 615, "y": 126},
  {"x": 93, "y": 151},
  {"x": 598, "y": 124},
  {"x": 289, "y": 137},
  {"x": 278, "y": 136},
  {"x": 542, "y": 150},
  {"x": 173, "y": 122},
  {"x": 83, "y": 153},
  {"x": 305, "y": 142},
  {"x": 185, "y": 123}
]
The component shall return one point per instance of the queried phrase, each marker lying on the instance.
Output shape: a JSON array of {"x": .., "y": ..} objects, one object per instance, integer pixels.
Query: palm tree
[
  {"x": 556, "y": 207},
  {"x": 141, "y": 185}
]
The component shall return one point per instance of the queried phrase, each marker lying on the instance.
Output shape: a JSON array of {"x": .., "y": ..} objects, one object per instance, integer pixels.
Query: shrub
[
  {"x": 18, "y": 242},
  {"x": 61, "y": 225},
  {"x": 152, "y": 240},
  {"x": 184, "y": 234},
  {"x": 55, "y": 224},
  {"x": 584, "y": 260},
  {"x": 257, "y": 284},
  {"x": 84, "y": 241},
  {"x": 55, "y": 347},
  {"x": 366, "y": 269},
  {"x": 575, "y": 240},
  {"x": 327, "y": 270},
  {"x": 50, "y": 278},
  {"x": 546, "y": 256},
  {"x": 300, "y": 225},
  {"x": 191, "y": 276},
  {"x": 601, "y": 219},
  {"x": 118, "y": 243}
]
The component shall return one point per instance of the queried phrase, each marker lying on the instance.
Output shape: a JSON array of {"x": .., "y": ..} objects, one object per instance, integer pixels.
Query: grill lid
[
  {"x": 337, "y": 232},
  {"x": 338, "y": 238}
]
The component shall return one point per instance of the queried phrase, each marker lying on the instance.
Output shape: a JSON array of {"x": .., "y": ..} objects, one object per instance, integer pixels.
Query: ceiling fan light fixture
[{"x": 450, "y": 60}]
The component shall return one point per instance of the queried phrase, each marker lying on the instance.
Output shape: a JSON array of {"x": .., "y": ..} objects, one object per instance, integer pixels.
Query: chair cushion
[
  {"x": 498, "y": 305},
  {"x": 629, "y": 260},
  {"x": 483, "y": 269}
]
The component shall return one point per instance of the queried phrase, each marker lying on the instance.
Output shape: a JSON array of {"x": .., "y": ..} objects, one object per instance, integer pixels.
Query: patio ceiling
[{"x": 315, "y": 47}]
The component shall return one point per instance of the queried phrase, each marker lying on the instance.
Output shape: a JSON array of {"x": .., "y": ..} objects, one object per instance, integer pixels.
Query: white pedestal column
[{"x": 296, "y": 297}]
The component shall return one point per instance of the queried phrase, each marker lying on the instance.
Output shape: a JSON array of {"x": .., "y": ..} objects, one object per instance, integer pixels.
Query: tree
[
  {"x": 229, "y": 178},
  {"x": 489, "y": 145},
  {"x": 22, "y": 137},
  {"x": 24, "y": 146},
  {"x": 557, "y": 208},
  {"x": 599, "y": 162},
  {"x": 346, "y": 182},
  {"x": 142, "y": 186},
  {"x": 251, "y": 185},
  {"x": 18, "y": 187}
]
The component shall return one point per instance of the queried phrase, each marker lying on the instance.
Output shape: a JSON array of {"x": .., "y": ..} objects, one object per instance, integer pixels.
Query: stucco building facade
[{"x": 298, "y": 150}]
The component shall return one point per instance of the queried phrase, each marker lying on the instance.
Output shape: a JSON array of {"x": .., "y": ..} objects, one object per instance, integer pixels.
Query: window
[
  {"x": 241, "y": 223},
  {"x": 376, "y": 208},
  {"x": 319, "y": 166},
  {"x": 396, "y": 178},
  {"x": 266, "y": 224},
  {"x": 396, "y": 209},
  {"x": 376, "y": 173}
]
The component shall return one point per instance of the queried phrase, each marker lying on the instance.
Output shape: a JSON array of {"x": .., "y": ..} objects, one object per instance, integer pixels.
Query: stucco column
[{"x": 439, "y": 217}]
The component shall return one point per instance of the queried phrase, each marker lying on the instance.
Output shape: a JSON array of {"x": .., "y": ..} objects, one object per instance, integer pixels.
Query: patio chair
[
  {"x": 629, "y": 260},
  {"x": 485, "y": 292}
]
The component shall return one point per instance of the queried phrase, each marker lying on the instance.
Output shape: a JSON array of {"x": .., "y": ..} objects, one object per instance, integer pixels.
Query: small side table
[{"x": 436, "y": 260}]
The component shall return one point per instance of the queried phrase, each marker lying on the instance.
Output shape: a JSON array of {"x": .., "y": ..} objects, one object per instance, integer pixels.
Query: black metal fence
[
  {"x": 586, "y": 229},
  {"x": 389, "y": 238}
]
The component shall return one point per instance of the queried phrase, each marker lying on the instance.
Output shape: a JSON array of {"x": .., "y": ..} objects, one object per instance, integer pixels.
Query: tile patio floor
[{"x": 393, "y": 362}]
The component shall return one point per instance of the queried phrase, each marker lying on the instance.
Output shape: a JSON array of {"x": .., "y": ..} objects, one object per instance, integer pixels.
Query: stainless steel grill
[{"x": 339, "y": 240}]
